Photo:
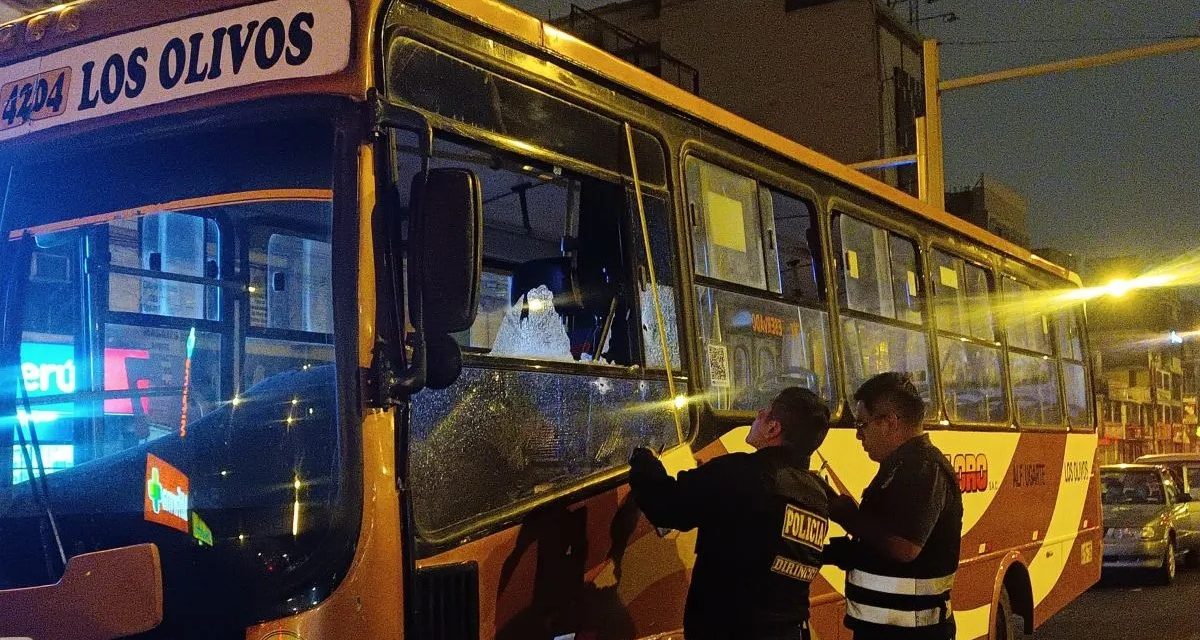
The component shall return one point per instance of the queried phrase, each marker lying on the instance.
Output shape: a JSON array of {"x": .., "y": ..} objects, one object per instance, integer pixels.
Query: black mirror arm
[{"x": 412, "y": 379}]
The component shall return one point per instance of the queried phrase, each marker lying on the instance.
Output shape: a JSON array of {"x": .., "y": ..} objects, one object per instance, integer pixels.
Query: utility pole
[{"x": 932, "y": 168}]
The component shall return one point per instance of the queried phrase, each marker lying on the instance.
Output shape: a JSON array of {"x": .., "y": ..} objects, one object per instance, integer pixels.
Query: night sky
[{"x": 1108, "y": 159}]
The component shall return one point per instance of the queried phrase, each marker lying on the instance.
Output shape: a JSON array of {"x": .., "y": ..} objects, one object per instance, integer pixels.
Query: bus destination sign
[{"x": 259, "y": 43}]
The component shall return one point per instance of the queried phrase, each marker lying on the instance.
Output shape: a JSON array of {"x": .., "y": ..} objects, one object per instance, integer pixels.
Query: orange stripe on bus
[{"x": 186, "y": 204}]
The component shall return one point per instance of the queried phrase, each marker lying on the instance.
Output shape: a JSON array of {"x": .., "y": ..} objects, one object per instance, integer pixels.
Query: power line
[{"x": 969, "y": 43}]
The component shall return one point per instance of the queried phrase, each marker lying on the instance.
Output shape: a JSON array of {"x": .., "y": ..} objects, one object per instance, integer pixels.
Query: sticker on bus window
[
  {"x": 200, "y": 530},
  {"x": 948, "y": 277},
  {"x": 718, "y": 365},
  {"x": 912, "y": 283},
  {"x": 166, "y": 500},
  {"x": 726, "y": 221},
  {"x": 852, "y": 264}
]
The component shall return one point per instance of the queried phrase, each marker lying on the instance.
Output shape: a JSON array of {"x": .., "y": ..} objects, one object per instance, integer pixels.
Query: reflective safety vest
[
  {"x": 902, "y": 600},
  {"x": 896, "y": 601}
]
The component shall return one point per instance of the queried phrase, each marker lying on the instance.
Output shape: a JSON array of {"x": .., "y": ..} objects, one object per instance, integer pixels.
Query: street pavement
[{"x": 1131, "y": 608}]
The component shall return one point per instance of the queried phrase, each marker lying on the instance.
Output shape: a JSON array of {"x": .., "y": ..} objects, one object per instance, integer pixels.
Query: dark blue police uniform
[
  {"x": 916, "y": 493},
  {"x": 762, "y": 519}
]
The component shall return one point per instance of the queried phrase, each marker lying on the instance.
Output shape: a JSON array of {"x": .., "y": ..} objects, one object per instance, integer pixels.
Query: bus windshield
[{"x": 172, "y": 341}]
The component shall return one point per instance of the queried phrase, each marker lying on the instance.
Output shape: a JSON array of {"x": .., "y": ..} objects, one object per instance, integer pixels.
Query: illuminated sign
[
  {"x": 116, "y": 378},
  {"x": 769, "y": 325},
  {"x": 47, "y": 370},
  {"x": 166, "y": 500},
  {"x": 238, "y": 47}
]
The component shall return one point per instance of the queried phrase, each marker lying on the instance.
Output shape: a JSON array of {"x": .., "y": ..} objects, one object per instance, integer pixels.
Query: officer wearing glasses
[
  {"x": 762, "y": 519},
  {"x": 902, "y": 552}
]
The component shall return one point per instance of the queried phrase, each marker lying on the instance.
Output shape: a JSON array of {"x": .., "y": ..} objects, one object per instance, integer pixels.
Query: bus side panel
[
  {"x": 1026, "y": 493},
  {"x": 595, "y": 568},
  {"x": 1084, "y": 553}
]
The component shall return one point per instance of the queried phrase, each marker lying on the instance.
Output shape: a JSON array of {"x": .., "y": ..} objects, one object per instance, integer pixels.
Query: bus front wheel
[{"x": 1005, "y": 628}]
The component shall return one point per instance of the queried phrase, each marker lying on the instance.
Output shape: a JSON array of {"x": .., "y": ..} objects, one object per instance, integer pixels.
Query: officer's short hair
[
  {"x": 896, "y": 390},
  {"x": 803, "y": 417}
]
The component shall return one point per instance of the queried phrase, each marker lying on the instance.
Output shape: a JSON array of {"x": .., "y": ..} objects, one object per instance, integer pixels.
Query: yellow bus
[{"x": 340, "y": 318}]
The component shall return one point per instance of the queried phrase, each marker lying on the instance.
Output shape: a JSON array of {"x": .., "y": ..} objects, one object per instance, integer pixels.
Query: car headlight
[{"x": 1149, "y": 532}]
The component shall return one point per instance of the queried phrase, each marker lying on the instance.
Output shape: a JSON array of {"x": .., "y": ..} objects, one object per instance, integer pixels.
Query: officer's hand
[
  {"x": 840, "y": 552},
  {"x": 642, "y": 458},
  {"x": 842, "y": 509}
]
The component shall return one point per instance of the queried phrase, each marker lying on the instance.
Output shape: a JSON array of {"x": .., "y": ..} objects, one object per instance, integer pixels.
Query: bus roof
[
  {"x": 79, "y": 22},
  {"x": 530, "y": 30}
]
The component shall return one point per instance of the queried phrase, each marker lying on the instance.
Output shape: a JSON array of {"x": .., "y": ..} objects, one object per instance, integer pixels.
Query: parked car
[
  {"x": 1184, "y": 467},
  {"x": 1149, "y": 523}
]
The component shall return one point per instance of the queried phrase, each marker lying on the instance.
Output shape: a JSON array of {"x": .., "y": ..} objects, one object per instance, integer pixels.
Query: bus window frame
[
  {"x": 431, "y": 542},
  {"x": 1063, "y": 426},
  {"x": 956, "y": 251},
  {"x": 474, "y": 356},
  {"x": 787, "y": 185},
  {"x": 894, "y": 226},
  {"x": 1080, "y": 315}
]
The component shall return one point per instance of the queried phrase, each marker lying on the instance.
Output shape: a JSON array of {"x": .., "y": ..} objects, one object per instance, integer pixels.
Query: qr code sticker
[{"x": 718, "y": 365}]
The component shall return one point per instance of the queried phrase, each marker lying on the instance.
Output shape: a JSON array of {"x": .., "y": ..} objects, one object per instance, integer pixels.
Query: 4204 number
[{"x": 34, "y": 98}]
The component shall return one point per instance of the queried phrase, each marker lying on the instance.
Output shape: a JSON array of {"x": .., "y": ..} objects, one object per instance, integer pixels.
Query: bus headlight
[{"x": 1149, "y": 532}]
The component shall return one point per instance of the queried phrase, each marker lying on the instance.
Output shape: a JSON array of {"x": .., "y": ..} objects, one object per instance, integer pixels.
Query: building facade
[
  {"x": 994, "y": 206},
  {"x": 842, "y": 77},
  {"x": 1144, "y": 366}
]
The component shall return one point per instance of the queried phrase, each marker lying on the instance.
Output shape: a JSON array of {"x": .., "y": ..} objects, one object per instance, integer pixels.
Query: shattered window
[
  {"x": 563, "y": 260},
  {"x": 564, "y": 369}
]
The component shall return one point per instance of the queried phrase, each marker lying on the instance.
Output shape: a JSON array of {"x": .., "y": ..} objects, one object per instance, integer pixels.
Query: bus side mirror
[
  {"x": 102, "y": 595},
  {"x": 448, "y": 235}
]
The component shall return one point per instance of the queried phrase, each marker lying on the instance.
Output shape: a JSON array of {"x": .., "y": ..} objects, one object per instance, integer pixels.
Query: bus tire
[{"x": 1005, "y": 628}]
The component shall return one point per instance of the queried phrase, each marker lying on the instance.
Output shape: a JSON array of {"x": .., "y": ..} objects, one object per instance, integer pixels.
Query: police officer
[
  {"x": 762, "y": 520},
  {"x": 903, "y": 552}
]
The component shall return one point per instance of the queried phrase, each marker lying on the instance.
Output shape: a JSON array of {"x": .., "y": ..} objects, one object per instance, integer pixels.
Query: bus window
[
  {"x": 297, "y": 283},
  {"x": 728, "y": 227},
  {"x": 798, "y": 244},
  {"x": 168, "y": 244},
  {"x": 875, "y": 347},
  {"x": 905, "y": 281},
  {"x": 962, "y": 297},
  {"x": 557, "y": 239},
  {"x": 1070, "y": 349},
  {"x": 755, "y": 345},
  {"x": 866, "y": 274},
  {"x": 790, "y": 345},
  {"x": 1035, "y": 390},
  {"x": 1070, "y": 339},
  {"x": 558, "y": 384},
  {"x": 662, "y": 250},
  {"x": 971, "y": 375},
  {"x": 1079, "y": 412},
  {"x": 291, "y": 301},
  {"x": 880, "y": 278},
  {"x": 1027, "y": 327}
]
